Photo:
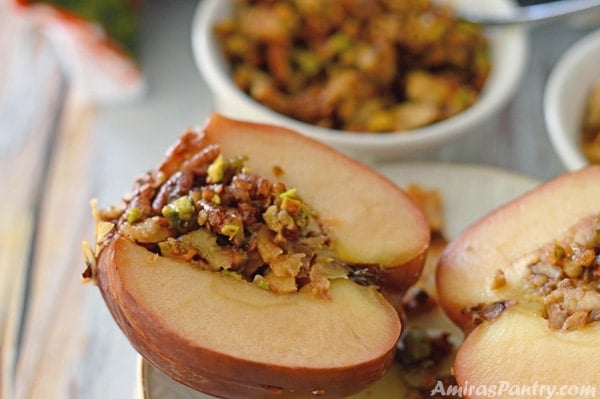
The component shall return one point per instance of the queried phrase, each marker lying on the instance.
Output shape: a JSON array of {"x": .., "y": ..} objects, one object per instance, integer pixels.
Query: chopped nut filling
[
  {"x": 567, "y": 276},
  {"x": 563, "y": 275},
  {"x": 213, "y": 212},
  {"x": 374, "y": 66}
]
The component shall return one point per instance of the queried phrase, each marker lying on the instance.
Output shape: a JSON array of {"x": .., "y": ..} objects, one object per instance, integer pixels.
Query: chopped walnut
[
  {"x": 213, "y": 212},
  {"x": 370, "y": 66},
  {"x": 567, "y": 276}
]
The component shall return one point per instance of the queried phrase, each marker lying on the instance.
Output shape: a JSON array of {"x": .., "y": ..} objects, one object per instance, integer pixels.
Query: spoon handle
[{"x": 538, "y": 13}]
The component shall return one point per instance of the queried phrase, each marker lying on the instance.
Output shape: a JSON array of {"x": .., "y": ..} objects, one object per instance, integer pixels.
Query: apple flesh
[
  {"x": 369, "y": 218},
  {"x": 519, "y": 350},
  {"x": 230, "y": 338},
  {"x": 517, "y": 344}
]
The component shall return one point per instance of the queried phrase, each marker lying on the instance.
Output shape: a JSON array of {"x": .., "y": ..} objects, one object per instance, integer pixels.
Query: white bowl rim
[
  {"x": 416, "y": 139},
  {"x": 567, "y": 149}
]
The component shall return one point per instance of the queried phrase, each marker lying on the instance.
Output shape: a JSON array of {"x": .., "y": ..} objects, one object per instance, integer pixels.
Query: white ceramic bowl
[
  {"x": 509, "y": 53},
  {"x": 565, "y": 96}
]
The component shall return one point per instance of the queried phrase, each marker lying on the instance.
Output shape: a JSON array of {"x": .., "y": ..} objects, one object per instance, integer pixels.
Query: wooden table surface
[{"x": 57, "y": 338}]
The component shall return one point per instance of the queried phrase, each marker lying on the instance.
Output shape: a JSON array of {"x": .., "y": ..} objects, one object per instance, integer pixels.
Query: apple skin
[
  {"x": 148, "y": 296},
  {"x": 518, "y": 346},
  {"x": 216, "y": 339}
]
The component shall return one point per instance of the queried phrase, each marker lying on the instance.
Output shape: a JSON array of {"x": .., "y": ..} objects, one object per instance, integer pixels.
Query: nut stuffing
[
  {"x": 354, "y": 65},
  {"x": 567, "y": 277},
  {"x": 563, "y": 276},
  {"x": 202, "y": 208}
]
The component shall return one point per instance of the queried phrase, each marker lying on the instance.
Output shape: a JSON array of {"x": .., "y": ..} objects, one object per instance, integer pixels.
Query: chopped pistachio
[
  {"x": 234, "y": 275},
  {"x": 236, "y": 164},
  {"x": 307, "y": 62},
  {"x": 260, "y": 282},
  {"x": 337, "y": 43},
  {"x": 133, "y": 214},
  {"x": 230, "y": 230},
  {"x": 180, "y": 213},
  {"x": 216, "y": 199},
  {"x": 290, "y": 193},
  {"x": 216, "y": 170}
]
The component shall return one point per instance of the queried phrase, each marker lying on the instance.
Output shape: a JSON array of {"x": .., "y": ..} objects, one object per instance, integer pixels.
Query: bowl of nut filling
[
  {"x": 378, "y": 80},
  {"x": 572, "y": 104}
]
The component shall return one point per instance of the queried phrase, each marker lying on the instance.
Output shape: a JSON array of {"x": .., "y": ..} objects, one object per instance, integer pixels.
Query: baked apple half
[
  {"x": 255, "y": 262},
  {"x": 524, "y": 282}
]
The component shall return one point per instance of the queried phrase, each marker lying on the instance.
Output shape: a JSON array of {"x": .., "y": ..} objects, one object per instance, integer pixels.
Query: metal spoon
[{"x": 538, "y": 13}]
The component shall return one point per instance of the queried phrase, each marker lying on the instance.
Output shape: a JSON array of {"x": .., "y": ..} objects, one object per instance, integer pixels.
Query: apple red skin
[{"x": 223, "y": 375}]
